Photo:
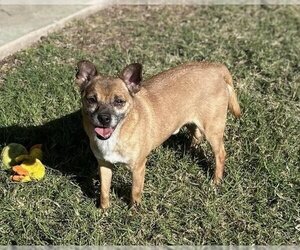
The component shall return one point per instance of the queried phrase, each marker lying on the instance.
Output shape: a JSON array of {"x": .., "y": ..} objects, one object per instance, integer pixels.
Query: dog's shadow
[
  {"x": 66, "y": 149},
  {"x": 181, "y": 143}
]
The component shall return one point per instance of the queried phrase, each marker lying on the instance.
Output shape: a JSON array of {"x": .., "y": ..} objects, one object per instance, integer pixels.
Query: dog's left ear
[{"x": 132, "y": 76}]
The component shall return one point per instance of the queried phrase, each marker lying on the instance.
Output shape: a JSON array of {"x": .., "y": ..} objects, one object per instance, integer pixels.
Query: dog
[{"x": 125, "y": 117}]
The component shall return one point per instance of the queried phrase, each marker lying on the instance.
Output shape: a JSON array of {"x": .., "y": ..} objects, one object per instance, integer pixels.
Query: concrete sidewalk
[{"x": 22, "y": 25}]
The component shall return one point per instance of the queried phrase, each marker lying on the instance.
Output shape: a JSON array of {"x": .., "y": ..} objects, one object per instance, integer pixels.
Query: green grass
[{"x": 259, "y": 201}]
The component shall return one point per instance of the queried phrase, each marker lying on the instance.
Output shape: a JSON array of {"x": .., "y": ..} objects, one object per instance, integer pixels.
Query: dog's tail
[{"x": 233, "y": 104}]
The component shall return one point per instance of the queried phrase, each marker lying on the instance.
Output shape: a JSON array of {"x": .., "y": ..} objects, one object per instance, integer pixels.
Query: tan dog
[{"x": 125, "y": 117}]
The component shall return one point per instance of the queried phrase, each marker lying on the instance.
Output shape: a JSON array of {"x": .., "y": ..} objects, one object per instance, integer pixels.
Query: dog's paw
[
  {"x": 103, "y": 204},
  {"x": 217, "y": 181},
  {"x": 135, "y": 205}
]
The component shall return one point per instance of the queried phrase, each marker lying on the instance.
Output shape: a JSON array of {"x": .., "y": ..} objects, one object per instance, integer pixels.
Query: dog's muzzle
[
  {"x": 106, "y": 124},
  {"x": 104, "y": 128}
]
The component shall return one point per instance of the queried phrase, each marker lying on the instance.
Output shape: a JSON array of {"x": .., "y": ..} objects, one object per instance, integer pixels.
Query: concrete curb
[{"x": 34, "y": 36}]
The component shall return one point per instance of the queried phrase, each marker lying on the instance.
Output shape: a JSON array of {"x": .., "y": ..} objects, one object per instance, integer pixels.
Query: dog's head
[{"x": 107, "y": 100}]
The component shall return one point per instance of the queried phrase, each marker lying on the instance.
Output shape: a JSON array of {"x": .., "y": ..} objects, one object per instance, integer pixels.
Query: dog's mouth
[{"x": 104, "y": 133}]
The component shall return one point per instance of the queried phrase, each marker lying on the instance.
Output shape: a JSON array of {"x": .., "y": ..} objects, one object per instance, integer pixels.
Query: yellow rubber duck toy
[{"x": 30, "y": 166}]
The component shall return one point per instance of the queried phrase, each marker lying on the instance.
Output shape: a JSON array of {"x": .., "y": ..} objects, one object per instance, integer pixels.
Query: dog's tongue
[{"x": 104, "y": 132}]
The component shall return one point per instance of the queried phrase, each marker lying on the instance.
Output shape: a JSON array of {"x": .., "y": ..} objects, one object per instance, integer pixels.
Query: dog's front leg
[
  {"x": 105, "y": 171},
  {"x": 138, "y": 177}
]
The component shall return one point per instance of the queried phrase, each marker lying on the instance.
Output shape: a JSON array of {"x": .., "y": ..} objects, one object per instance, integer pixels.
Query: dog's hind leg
[
  {"x": 196, "y": 134},
  {"x": 214, "y": 135}
]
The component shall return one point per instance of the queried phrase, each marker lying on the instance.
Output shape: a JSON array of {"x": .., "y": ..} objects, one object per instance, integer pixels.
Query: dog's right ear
[{"x": 84, "y": 73}]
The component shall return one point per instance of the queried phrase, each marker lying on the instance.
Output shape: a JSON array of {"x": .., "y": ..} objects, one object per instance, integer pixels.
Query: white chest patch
[{"x": 106, "y": 149}]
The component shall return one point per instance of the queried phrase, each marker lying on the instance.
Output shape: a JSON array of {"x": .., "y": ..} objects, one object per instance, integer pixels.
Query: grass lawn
[{"x": 259, "y": 200}]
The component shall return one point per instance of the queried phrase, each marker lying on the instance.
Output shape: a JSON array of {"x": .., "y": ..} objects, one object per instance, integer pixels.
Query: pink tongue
[{"x": 104, "y": 132}]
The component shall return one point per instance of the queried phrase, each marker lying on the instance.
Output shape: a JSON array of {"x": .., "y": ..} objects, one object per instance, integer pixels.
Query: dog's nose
[{"x": 104, "y": 119}]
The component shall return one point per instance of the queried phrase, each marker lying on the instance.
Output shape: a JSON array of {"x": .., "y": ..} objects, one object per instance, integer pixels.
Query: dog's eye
[
  {"x": 91, "y": 100},
  {"x": 119, "y": 102}
]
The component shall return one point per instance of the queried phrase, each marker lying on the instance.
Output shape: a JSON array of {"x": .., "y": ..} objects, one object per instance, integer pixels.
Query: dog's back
[
  {"x": 203, "y": 77},
  {"x": 199, "y": 89}
]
